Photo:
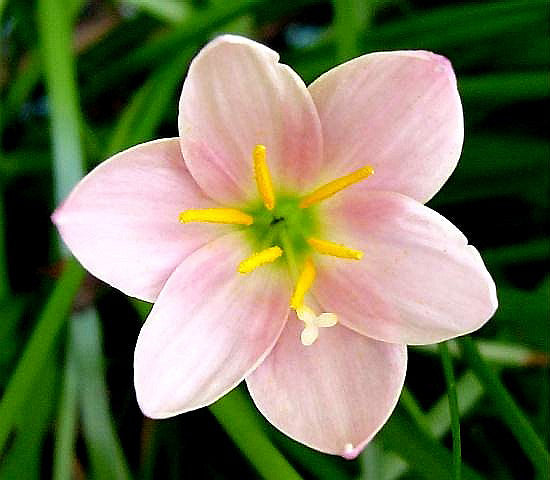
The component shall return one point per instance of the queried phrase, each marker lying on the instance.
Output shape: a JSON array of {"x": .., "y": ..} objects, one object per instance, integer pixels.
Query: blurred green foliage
[{"x": 80, "y": 80}]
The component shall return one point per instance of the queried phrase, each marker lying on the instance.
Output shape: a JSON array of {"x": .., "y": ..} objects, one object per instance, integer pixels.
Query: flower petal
[
  {"x": 399, "y": 112},
  {"x": 418, "y": 281},
  {"x": 121, "y": 220},
  {"x": 209, "y": 328},
  {"x": 236, "y": 96},
  {"x": 333, "y": 395}
]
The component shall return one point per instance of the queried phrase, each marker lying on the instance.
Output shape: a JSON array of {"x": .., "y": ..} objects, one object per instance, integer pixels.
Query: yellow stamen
[
  {"x": 216, "y": 215},
  {"x": 334, "y": 249},
  {"x": 263, "y": 177},
  {"x": 305, "y": 280},
  {"x": 335, "y": 186},
  {"x": 269, "y": 255}
]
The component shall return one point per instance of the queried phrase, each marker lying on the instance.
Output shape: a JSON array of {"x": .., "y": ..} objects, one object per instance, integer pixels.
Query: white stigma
[{"x": 313, "y": 322}]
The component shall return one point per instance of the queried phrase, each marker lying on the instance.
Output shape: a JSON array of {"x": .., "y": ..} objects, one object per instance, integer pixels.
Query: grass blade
[
  {"x": 39, "y": 346},
  {"x": 32, "y": 428},
  {"x": 347, "y": 28},
  {"x": 4, "y": 280},
  {"x": 498, "y": 353},
  {"x": 424, "y": 455},
  {"x": 504, "y": 88},
  {"x": 169, "y": 44},
  {"x": 54, "y": 23},
  {"x": 453, "y": 408},
  {"x": 510, "y": 413},
  {"x": 438, "y": 420},
  {"x": 147, "y": 108},
  {"x": 241, "y": 423},
  {"x": 412, "y": 407},
  {"x": 106, "y": 454},
  {"x": 66, "y": 418}
]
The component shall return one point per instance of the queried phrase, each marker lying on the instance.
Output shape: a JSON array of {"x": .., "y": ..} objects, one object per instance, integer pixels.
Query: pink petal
[
  {"x": 418, "y": 281},
  {"x": 397, "y": 111},
  {"x": 209, "y": 328},
  {"x": 121, "y": 220},
  {"x": 236, "y": 96},
  {"x": 333, "y": 395}
]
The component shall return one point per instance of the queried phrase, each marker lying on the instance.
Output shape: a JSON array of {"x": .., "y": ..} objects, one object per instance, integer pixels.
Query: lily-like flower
[{"x": 284, "y": 240}]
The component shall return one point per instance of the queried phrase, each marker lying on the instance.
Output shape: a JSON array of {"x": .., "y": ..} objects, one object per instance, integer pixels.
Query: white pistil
[{"x": 313, "y": 322}]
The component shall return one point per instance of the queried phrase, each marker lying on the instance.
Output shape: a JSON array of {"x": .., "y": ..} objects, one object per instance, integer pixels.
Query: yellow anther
[
  {"x": 263, "y": 177},
  {"x": 305, "y": 280},
  {"x": 335, "y": 186},
  {"x": 334, "y": 249},
  {"x": 269, "y": 255},
  {"x": 216, "y": 215}
]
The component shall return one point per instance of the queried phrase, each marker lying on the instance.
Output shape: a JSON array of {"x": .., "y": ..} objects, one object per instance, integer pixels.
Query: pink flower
[{"x": 271, "y": 256}]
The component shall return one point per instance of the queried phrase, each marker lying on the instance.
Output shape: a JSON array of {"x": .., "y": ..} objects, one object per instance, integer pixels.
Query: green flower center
[{"x": 286, "y": 227}]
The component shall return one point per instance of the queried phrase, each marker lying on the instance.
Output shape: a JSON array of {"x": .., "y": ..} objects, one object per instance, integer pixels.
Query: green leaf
[
  {"x": 347, "y": 25},
  {"x": 23, "y": 460},
  {"x": 412, "y": 407},
  {"x": 167, "y": 45},
  {"x": 488, "y": 164},
  {"x": 242, "y": 424},
  {"x": 439, "y": 29},
  {"x": 148, "y": 105},
  {"x": 67, "y": 414},
  {"x": 505, "y": 405},
  {"x": 504, "y": 88},
  {"x": 169, "y": 11},
  {"x": 21, "y": 162},
  {"x": 535, "y": 250},
  {"x": 11, "y": 311},
  {"x": 469, "y": 393},
  {"x": 55, "y": 27},
  {"x": 320, "y": 465},
  {"x": 424, "y": 455},
  {"x": 39, "y": 346},
  {"x": 437, "y": 420},
  {"x": 4, "y": 278},
  {"x": 523, "y": 315},
  {"x": 455, "y": 26},
  {"x": 495, "y": 352},
  {"x": 453, "y": 408},
  {"x": 27, "y": 77},
  {"x": 106, "y": 454}
]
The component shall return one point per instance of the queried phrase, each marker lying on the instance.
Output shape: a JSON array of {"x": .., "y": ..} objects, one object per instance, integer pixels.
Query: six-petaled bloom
[{"x": 284, "y": 240}]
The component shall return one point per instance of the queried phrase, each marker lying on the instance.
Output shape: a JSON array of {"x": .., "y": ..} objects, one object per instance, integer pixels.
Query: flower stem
[{"x": 453, "y": 408}]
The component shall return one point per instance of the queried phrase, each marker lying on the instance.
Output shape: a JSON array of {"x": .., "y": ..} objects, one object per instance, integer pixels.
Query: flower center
[{"x": 286, "y": 226}]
